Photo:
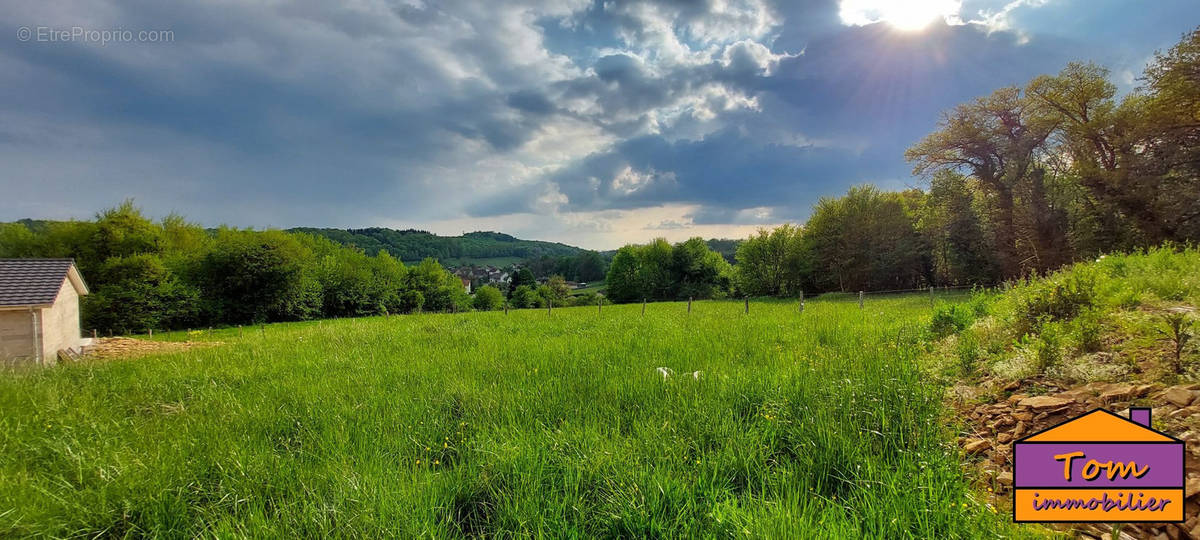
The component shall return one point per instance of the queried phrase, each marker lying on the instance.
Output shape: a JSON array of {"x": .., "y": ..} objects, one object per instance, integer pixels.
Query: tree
[
  {"x": 559, "y": 290},
  {"x": 590, "y": 266},
  {"x": 526, "y": 297},
  {"x": 866, "y": 240},
  {"x": 660, "y": 271},
  {"x": 1170, "y": 145},
  {"x": 997, "y": 138},
  {"x": 522, "y": 276},
  {"x": 1100, "y": 138},
  {"x": 488, "y": 298},
  {"x": 441, "y": 290},
  {"x": 697, "y": 271},
  {"x": 139, "y": 293},
  {"x": 624, "y": 279},
  {"x": 769, "y": 262},
  {"x": 954, "y": 230},
  {"x": 16, "y": 241},
  {"x": 654, "y": 270},
  {"x": 259, "y": 276},
  {"x": 123, "y": 230}
]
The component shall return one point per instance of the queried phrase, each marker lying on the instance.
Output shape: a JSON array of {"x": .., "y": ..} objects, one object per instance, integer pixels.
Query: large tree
[
  {"x": 997, "y": 140},
  {"x": 867, "y": 240},
  {"x": 769, "y": 263}
]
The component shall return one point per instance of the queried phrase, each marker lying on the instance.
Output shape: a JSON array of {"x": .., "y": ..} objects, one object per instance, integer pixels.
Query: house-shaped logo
[{"x": 1099, "y": 467}]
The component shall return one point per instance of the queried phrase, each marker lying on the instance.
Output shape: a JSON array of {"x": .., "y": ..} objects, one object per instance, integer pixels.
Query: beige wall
[
  {"x": 16, "y": 337},
  {"x": 60, "y": 323}
]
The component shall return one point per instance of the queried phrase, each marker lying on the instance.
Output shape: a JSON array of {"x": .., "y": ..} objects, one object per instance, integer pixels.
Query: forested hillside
[{"x": 413, "y": 245}]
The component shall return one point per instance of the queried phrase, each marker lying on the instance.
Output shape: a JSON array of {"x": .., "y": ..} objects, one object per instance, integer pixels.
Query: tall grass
[{"x": 484, "y": 424}]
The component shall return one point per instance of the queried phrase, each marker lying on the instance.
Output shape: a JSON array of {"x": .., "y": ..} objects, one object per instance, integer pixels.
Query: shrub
[
  {"x": 488, "y": 298},
  {"x": 980, "y": 304},
  {"x": 951, "y": 319},
  {"x": 968, "y": 355},
  {"x": 1057, "y": 299},
  {"x": 1087, "y": 331},
  {"x": 525, "y": 296},
  {"x": 1048, "y": 352}
]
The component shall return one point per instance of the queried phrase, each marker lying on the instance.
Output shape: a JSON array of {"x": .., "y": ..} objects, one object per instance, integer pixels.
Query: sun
[{"x": 907, "y": 15}]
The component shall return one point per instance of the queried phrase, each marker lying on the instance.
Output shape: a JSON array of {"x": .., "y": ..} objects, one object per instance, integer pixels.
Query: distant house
[
  {"x": 39, "y": 310},
  {"x": 466, "y": 283}
]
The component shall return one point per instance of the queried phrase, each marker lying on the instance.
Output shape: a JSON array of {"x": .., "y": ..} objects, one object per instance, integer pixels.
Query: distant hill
[
  {"x": 726, "y": 247},
  {"x": 410, "y": 245}
]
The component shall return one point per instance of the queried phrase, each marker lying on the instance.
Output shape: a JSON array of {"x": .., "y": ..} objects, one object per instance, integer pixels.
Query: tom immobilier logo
[{"x": 1099, "y": 467}]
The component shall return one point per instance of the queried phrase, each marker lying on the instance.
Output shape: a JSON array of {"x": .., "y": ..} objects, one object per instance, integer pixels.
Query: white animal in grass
[{"x": 667, "y": 372}]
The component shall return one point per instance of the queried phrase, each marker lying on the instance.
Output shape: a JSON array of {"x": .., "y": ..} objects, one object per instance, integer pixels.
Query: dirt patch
[
  {"x": 122, "y": 347},
  {"x": 997, "y": 413}
]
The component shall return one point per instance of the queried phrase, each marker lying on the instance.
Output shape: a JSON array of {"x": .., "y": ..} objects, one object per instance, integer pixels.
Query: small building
[
  {"x": 39, "y": 310},
  {"x": 466, "y": 283}
]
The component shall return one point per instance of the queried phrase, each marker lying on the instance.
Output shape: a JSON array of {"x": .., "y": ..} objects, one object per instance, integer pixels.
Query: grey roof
[{"x": 31, "y": 282}]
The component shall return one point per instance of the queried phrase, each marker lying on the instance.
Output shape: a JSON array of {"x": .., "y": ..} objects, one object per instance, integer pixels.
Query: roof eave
[
  {"x": 77, "y": 280},
  {"x": 23, "y": 307}
]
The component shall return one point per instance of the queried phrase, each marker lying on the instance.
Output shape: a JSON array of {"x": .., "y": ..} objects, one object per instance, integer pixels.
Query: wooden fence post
[
  {"x": 689, "y": 304},
  {"x": 599, "y": 304},
  {"x": 150, "y": 332},
  {"x": 801, "y": 301},
  {"x": 93, "y": 333},
  {"x": 747, "y": 305},
  {"x": 931, "y": 296},
  {"x": 549, "y": 306},
  {"x": 506, "y": 308},
  {"x": 860, "y": 299},
  {"x": 643, "y": 307},
  {"x": 239, "y": 330}
]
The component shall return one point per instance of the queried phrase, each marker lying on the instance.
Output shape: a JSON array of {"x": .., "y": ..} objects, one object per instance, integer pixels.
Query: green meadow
[{"x": 486, "y": 424}]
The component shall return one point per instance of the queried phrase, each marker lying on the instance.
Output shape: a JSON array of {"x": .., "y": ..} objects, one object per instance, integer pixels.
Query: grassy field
[{"x": 485, "y": 424}]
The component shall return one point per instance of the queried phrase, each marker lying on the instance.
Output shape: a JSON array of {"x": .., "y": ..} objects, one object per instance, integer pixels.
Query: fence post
[
  {"x": 860, "y": 299},
  {"x": 931, "y": 296},
  {"x": 689, "y": 304},
  {"x": 93, "y": 333},
  {"x": 747, "y": 305},
  {"x": 239, "y": 330},
  {"x": 599, "y": 304},
  {"x": 643, "y": 306},
  {"x": 150, "y": 332},
  {"x": 549, "y": 306},
  {"x": 801, "y": 301},
  {"x": 506, "y": 308}
]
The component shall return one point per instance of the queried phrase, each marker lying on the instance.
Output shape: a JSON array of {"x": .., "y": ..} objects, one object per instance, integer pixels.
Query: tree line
[
  {"x": 414, "y": 245},
  {"x": 1020, "y": 182},
  {"x": 174, "y": 274}
]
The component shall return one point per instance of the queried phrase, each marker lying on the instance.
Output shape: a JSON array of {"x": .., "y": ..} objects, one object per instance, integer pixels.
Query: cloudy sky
[{"x": 591, "y": 123}]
